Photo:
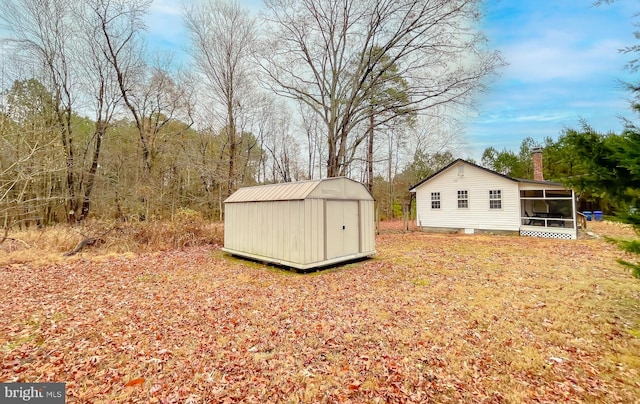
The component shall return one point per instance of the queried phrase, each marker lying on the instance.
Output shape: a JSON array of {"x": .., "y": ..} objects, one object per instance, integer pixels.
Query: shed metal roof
[
  {"x": 274, "y": 192},
  {"x": 329, "y": 187}
]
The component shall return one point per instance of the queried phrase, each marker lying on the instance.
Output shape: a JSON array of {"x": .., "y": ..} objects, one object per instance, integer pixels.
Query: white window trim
[
  {"x": 439, "y": 200},
  {"x": 466, "y": 191},
  {"x": 495, "y": 199}
]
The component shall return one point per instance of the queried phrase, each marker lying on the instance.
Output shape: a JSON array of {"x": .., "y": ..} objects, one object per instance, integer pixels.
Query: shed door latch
[{"x": 343, "y": 227}]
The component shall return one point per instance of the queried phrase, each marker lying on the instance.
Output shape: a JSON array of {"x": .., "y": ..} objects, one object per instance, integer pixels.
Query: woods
[{"x": 94, "y": 124}]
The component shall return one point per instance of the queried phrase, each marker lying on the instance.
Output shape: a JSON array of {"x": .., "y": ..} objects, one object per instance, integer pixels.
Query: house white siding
[{"x": 478, "y": 215}]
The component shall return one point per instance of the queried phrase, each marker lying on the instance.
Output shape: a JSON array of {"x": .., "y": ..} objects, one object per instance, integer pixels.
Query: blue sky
[{"x": 564, "y": 65}]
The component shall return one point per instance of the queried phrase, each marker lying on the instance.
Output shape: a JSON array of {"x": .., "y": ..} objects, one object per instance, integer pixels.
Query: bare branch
[{"x": 333, "y": 55}]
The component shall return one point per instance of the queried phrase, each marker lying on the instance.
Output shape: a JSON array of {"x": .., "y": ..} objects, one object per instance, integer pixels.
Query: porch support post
[{"x": 575, "y": 213}]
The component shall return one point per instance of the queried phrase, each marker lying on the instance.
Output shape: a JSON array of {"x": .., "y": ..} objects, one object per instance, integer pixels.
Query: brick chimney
[{"x": 536, "y": 156}]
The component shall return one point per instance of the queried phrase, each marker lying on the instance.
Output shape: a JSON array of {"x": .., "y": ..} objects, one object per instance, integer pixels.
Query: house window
[
  {"x": 495, "y": 199},
  {"x": 463, "y": 199},
  {"x": 435, "y": 200}
]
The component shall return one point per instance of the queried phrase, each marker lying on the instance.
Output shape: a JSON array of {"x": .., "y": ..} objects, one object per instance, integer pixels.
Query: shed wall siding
[
  {"x": 367, "y": 226},
  {"x": 313, "y": 230},
  {"x": 230, "y": 226},
  {"x": 270, "y": 229},
  {"x": 478, "y": 183}
]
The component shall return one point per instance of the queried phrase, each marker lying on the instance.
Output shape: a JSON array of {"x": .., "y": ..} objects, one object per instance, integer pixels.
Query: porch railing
[
  {"x": 582, "y": 220},
  {"x": 546, "y": 221}
]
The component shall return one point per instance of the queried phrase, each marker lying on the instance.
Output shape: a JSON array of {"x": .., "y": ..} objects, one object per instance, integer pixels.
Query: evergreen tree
[
  {"x": 509, "y": 163},
  {"x": 610, "y": 168}
]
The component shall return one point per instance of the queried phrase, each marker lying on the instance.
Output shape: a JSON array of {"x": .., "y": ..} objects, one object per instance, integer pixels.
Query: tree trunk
[
  {"x": 370, "y": 155},
  {"x": 64, "y": 118},
  {"x": 390, "y": 181},
  {"x": 332, "y": 159},
  {"x": 101, "y": 129},
  {"x": 232, "y": 147}
]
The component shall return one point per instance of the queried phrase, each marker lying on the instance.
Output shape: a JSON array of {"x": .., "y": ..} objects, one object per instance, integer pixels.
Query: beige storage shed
[{"x": 303, "y": 225}]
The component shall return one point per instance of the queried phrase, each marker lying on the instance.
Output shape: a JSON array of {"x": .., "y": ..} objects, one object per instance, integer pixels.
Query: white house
[
  {"x": 303, "y": 225},
  {"x": 466, "y": 197}
]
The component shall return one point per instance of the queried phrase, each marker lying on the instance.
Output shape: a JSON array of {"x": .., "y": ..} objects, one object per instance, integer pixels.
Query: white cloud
[
  {"x": 166, "y": 7},
  {"x": 558, "y": 56},
  {"x": 523, "y": 116},
  {"x": 165, "y": 29},
  {"x": 541, "y": 117}
]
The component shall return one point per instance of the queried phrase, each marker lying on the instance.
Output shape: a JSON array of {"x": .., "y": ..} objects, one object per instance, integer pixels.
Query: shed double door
[{"x": 342, "y": 231}]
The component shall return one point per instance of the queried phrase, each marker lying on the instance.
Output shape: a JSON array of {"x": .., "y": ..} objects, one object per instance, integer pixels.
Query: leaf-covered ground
[{"x": 441, "y": 318}]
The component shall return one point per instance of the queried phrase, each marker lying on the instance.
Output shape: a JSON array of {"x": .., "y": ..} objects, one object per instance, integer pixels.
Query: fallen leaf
[
  {"x": 135, "y": 382},
  {"x": 354, "y": 386}
]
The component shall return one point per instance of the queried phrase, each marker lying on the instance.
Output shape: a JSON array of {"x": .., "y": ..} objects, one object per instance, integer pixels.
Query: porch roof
[{"x": 550, "y": 183}]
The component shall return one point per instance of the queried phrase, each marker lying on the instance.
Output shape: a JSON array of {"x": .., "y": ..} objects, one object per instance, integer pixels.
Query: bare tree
[
  {"x": 101, "y": 85},
  {"x": 312, "y": 127},
  {"x": 43, "y": 32},
  {"x": 120, "y": 24},
  {"x": 273, "y": 128},
  {"x": 333, "y": 55},
  {"x": 93, "y": 60},
  {"x": 160, "y": 101},
  {"x": 261, "y": 124},
  {"x": 31, "y": 160},
  {"x": 222, "y": 38}
]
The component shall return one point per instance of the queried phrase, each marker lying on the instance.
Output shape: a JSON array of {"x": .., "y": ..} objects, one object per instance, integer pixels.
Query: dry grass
[
  {"x": 440, "y": 318},
  {"x": 48, "y": 245},
  {"x": 612, "y": 229}
]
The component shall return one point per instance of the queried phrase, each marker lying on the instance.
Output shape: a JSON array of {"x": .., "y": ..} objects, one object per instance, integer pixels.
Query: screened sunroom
[{"x": 547, "y": 210}]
